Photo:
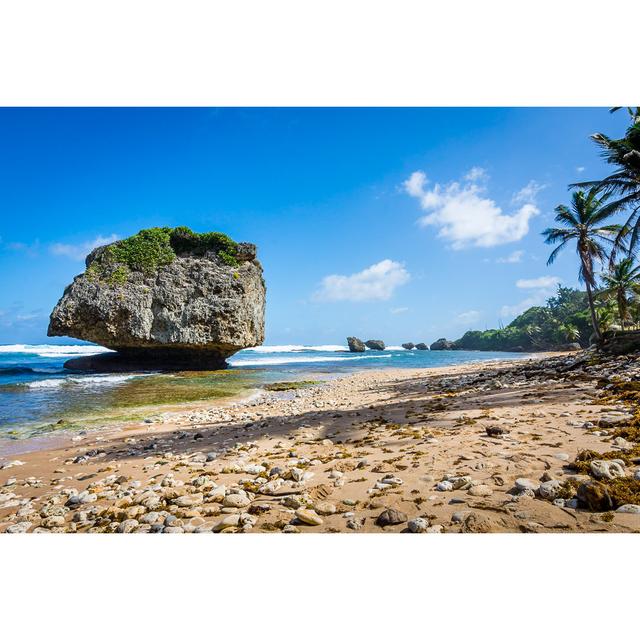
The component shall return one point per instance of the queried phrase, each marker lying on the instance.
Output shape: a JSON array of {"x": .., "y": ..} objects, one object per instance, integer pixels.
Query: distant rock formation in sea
[
  {"x": 165, "y": 298},
  {"x": 355, "y": 344},
  {"x": 442, "y": 344},
  {"x": 421, "y": 346},
  {"x": 408, "y": 345},
  {"x": 376, "y": 345}
]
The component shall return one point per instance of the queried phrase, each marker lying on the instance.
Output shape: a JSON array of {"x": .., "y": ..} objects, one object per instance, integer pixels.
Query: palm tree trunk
[
  {"x": 622, "y": 308},
  {"x": 592, "y": 309}
]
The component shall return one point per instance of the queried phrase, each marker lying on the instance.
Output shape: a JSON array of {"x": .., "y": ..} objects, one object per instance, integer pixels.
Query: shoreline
[
  {"x": 57, "y": 437},
  {"x": 338, "y": 454}
]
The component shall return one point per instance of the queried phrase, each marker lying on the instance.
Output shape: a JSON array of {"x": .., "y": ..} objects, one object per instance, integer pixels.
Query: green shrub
[
  {"x": 119, "y": 275},
  {"x": 146, "y": 251},
  {"x": 183, "y": 240},
  {"x": 150, "y": 249}
]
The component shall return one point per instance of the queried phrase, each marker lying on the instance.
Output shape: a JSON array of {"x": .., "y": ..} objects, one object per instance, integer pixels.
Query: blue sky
[{"x": 400, "y": 224}]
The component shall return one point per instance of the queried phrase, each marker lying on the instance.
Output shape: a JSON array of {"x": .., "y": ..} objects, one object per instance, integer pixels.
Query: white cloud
[
  {"x": 528, "y": 193},
  {"x": 579, "y": 169},
  {"x": 26, "y": 317},
  {"x": 415, "y": 184},
  {"x": 16, "y": 316},
  {"x": 543, "y": 282},
  {"x": 511, "y": 311},
  {"x": 464, "y": 215},
  {"x": 377, "y": 282},
  {"x": 397, "y": 310},
  {"x": 80, "y": 251},
  {"x": 468, "y": 317},
  {"x": 475, "y": 174},
  {"x": 512, "y": 258},
  {"x": 32, "y": 250},
  {"x": 540, "y": 289}
]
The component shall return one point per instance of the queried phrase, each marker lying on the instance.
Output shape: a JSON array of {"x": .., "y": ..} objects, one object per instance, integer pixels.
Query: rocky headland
[
  {"x": 165, "y": 299},
  {"x": 442, "y": 344}
]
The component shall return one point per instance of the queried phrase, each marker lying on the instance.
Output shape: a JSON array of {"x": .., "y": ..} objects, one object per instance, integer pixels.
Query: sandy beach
[{"x": 484, "y": 447}]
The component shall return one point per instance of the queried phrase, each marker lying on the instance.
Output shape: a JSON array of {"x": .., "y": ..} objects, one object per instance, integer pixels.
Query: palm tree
[
  {"x": 583, "y": 223},
  {"x": 624, "y": 182},
  {"x": 570, "y": 332},
  {"x": 621, "y": 282},
  {"x": 606, "y": 316}
]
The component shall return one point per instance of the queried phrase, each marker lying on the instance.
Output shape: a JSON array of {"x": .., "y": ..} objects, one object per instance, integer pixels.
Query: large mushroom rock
[
  {"x": 165, "y": 298},
  {"x": 442, "y": 344},
  {"x": 421, "y": 346},
  {"x": 376, "y": 345},
  {"x": 355, "y": 344},
  {"x": 408, "y": 345}
]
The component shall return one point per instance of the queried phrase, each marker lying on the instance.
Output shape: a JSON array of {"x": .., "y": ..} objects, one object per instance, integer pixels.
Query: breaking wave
[
  {"x": 81, "y": 381},
  {"x": 52, "y": 350},
  {"x": 285, "y": 360}
]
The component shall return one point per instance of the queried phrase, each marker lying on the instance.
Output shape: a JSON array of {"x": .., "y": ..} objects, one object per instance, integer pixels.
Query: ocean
[{"x": 38, "y": 396}]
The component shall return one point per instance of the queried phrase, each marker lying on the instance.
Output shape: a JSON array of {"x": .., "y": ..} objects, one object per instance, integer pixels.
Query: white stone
[
  {"x": 609, "y": 469},
  {"x": 549, "y": 490},
  {"x": 325, "y": 508},
  {"x": 308, "y": 516},
  {"x": 525, "y": 483},
  {"x": 225, "y": 523},
  {"x": 19, "y": 527},
  {"x": 629, "y": 508},
  {"x": 236, "y": 500},
  {"x": 418, "y": 525},
  {"x": 481, "y": 491}
]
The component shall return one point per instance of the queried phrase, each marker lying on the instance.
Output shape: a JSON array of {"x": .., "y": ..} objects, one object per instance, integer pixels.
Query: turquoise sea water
[{"x": 38, "y": 396}]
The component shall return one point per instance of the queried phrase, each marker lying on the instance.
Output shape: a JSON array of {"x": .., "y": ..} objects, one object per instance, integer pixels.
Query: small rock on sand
[
  {"x": 391, "y": 517},
  {"x": 308, "y": 516}
]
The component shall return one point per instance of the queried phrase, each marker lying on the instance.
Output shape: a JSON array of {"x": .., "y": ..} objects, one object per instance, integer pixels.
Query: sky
[{"x": 399, "y": 224}]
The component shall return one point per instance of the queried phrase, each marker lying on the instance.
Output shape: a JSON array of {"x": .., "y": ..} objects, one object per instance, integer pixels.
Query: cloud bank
[
  {"x": 377, "y": 282},
  {"x": 465, "y": 216},
  {"x": 540, "y": 289}
]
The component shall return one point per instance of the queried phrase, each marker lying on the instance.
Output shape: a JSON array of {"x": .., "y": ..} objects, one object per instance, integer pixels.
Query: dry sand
[{"x": 338, "y": 453}]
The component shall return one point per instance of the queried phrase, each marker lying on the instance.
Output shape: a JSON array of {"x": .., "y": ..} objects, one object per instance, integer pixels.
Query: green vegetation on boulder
[{"x": 150, "y": 249}]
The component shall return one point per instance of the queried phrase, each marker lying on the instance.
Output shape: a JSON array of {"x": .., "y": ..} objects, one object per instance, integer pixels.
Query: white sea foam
[
  {"x": 51, "y": 383},
  {"x": 53, "y": 350},
  {"x": 293, "y": 348},
  {"x": 81, "y": 381},
  {"x": 298, "y": 360}
]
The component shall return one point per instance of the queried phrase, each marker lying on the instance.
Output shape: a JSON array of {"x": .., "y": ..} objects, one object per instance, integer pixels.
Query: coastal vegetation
[
  {"x": 606, "y": 260},
  {"x": 582, "y": 223},
  {"x": 564, "y": 320},
  {"x": 152, "y": 248},
  {"x": 586, "y": 223}
]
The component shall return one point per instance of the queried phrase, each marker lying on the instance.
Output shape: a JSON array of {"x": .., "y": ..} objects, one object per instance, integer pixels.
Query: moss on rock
[{"x": 152, "y": 248}]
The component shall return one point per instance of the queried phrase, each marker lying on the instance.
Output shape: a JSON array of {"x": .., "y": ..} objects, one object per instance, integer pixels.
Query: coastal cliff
[{"x": 165, "y": 297}]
